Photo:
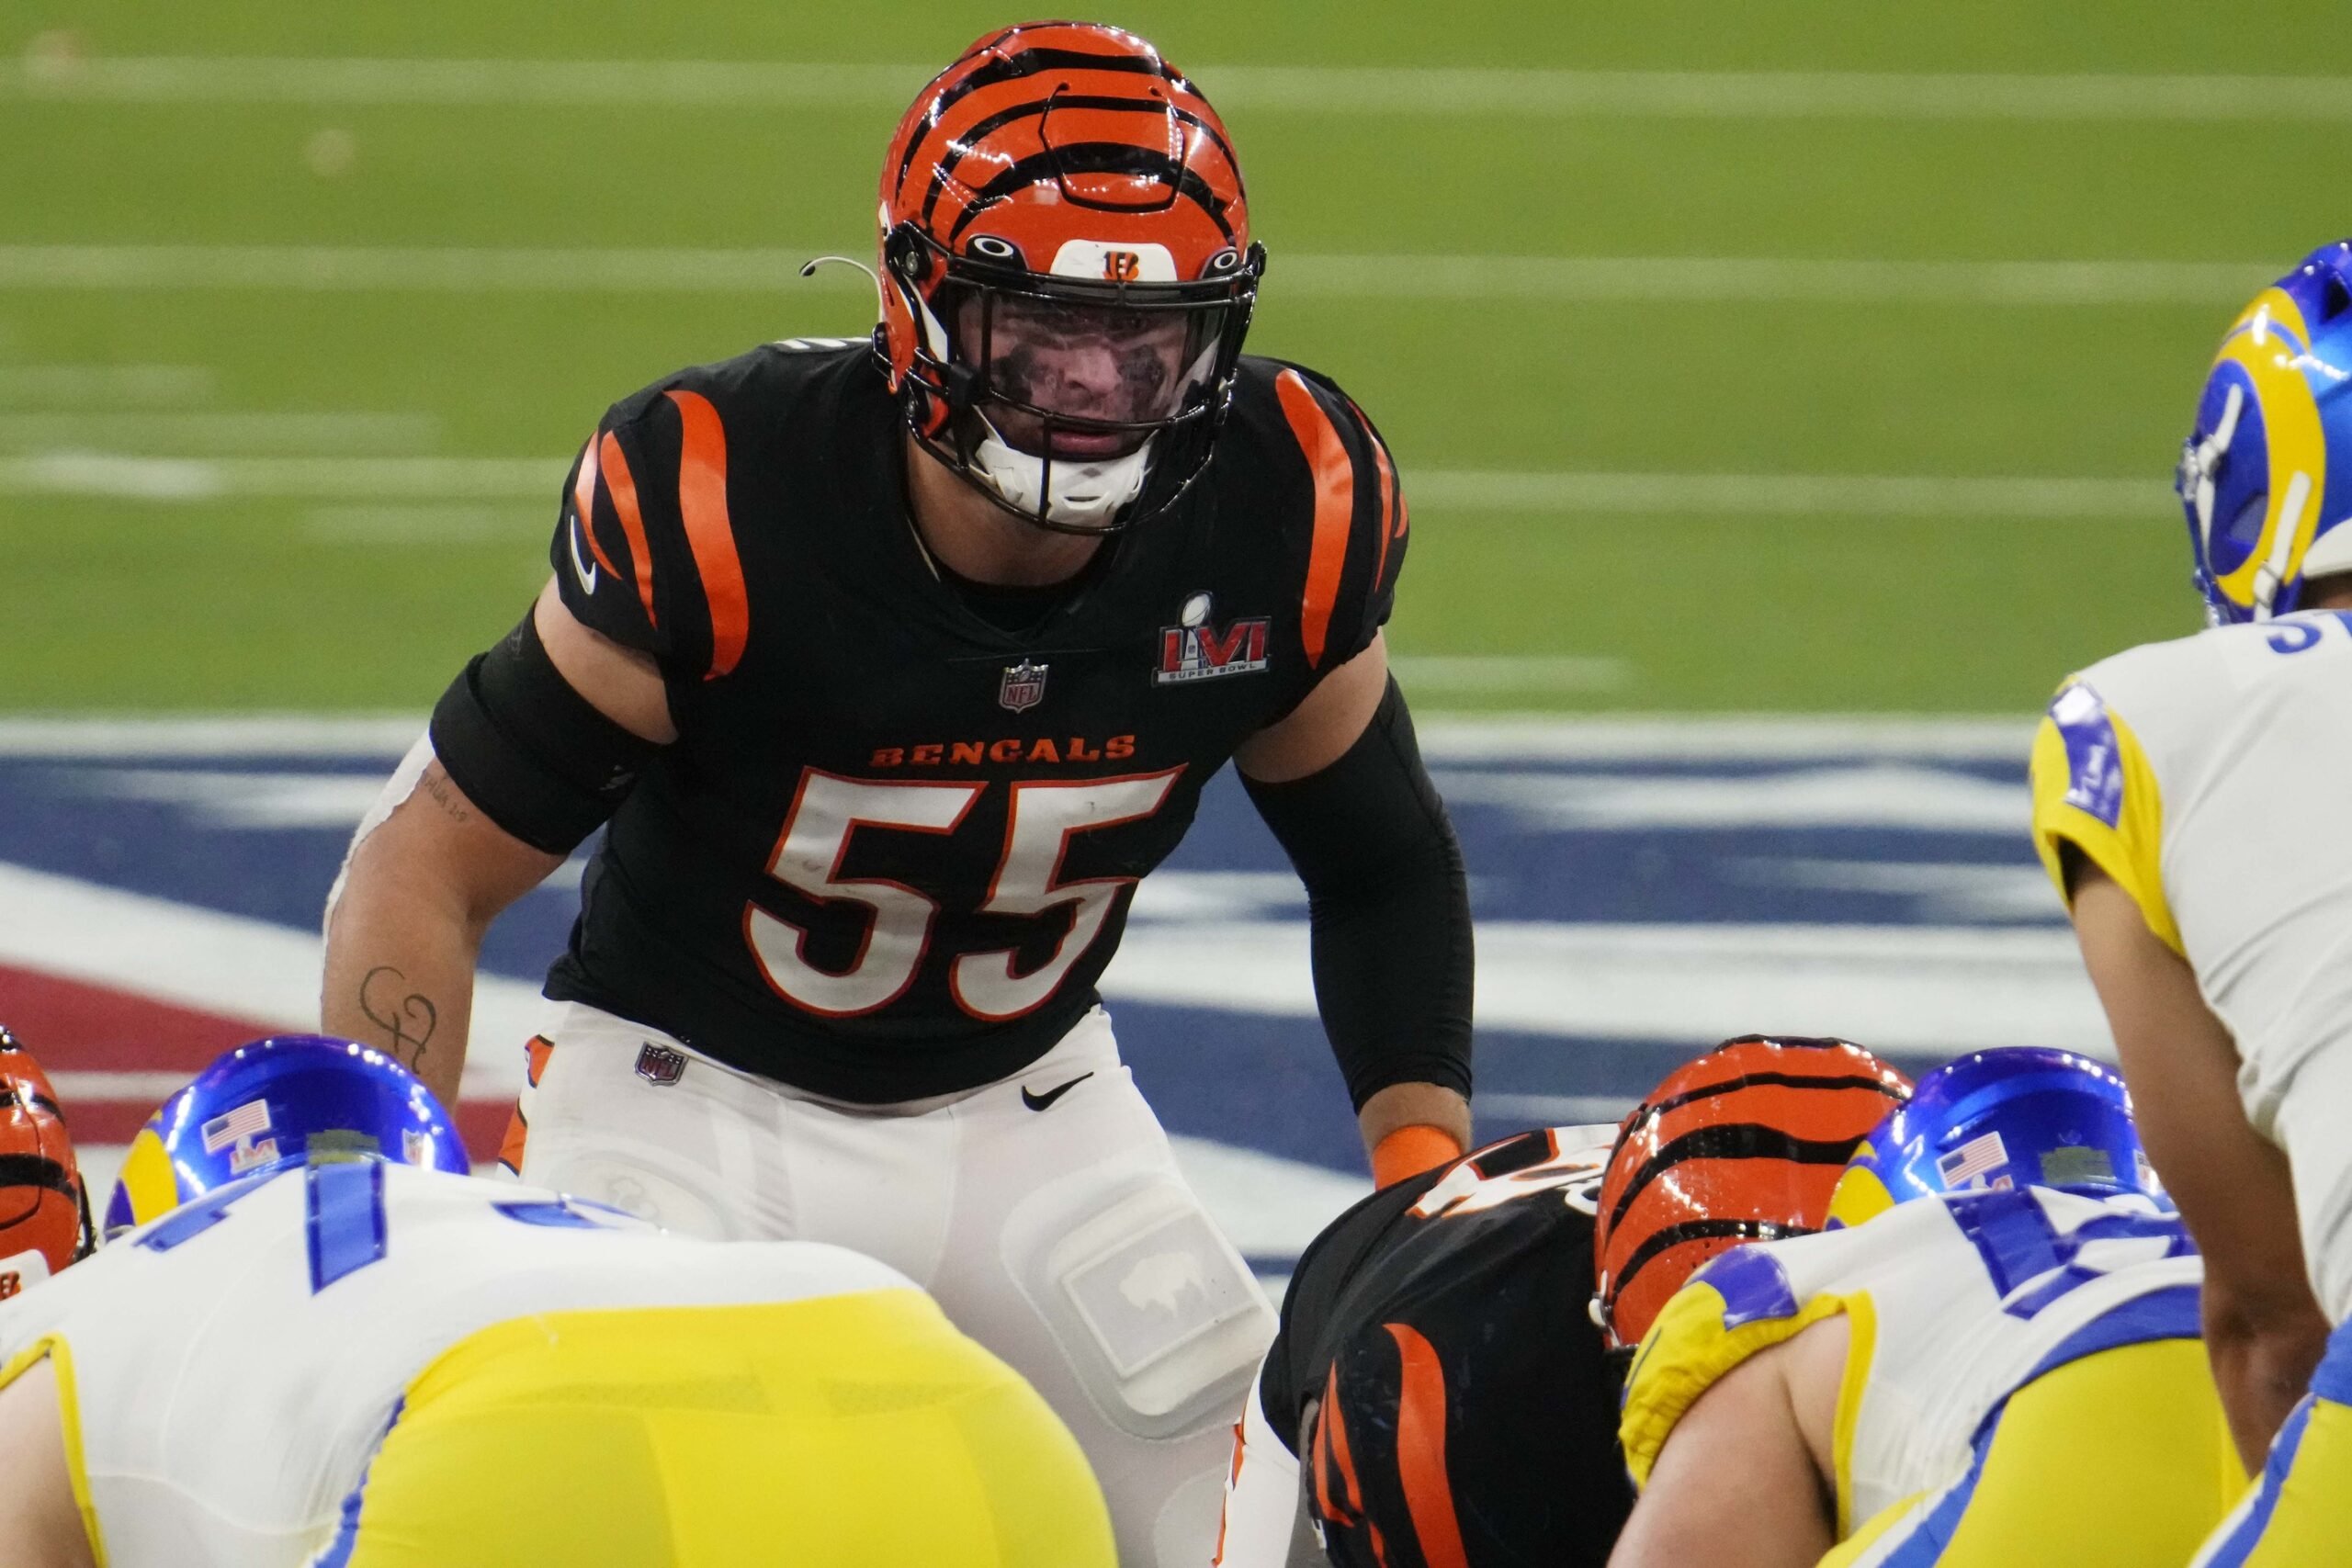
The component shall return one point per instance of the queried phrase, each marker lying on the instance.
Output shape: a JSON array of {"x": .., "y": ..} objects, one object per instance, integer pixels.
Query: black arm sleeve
[
  {"x": 1388, "y": 906},
  {"x": 540, "y": 759}
]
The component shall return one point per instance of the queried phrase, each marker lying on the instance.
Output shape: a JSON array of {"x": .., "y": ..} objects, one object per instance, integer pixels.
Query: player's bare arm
[
  {"x": 2263, "y": 1329},
  {"x": 405, "y": 931},
  {"x": 37, "y": 1516},
  {"x": 1740, "y": 1482},
  {"x": 1335, "y": 719}
]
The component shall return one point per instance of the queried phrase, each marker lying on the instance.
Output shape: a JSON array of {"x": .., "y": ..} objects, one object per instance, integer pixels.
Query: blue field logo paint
[{"x": 2094, "y": 760}]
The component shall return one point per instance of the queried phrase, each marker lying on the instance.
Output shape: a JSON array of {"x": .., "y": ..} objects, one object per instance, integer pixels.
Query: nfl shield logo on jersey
[
  {"x": 659, "y": 1064},
  {"x": 1023, "y": 688}
]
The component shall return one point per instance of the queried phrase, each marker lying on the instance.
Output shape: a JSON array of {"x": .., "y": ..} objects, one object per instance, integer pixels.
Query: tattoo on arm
[
  {"x": 409, "y": 1022},
  {"x": 443, "y": 794}
]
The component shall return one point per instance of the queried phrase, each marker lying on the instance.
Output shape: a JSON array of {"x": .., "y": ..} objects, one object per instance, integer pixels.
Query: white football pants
[{"x": 1054, "y": 1229}]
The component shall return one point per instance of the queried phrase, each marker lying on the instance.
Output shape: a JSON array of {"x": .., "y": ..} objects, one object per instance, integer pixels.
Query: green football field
[{"x": 1738, "y": 357}]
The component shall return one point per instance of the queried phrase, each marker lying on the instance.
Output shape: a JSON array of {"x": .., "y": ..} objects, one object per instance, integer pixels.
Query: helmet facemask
[{"x": 1078, "y": 405}]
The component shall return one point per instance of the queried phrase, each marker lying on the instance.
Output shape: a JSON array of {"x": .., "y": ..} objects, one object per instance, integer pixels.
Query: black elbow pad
[{"x": 540, "y": 759}]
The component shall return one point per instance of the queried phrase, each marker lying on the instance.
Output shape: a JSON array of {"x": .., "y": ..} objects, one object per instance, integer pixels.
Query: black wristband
[
  {"x": 1388, "y": 906},
  {"x": 540, "y": 759}
]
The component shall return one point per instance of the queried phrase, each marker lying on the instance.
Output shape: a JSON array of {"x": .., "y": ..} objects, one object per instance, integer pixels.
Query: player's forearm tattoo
[
  {"x": 410, "y": 1021},
  {"x": 435, "y": 784}
]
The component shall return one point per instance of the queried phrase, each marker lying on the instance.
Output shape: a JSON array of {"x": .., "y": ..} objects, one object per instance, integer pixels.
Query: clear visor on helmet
[{"x": 1088, "y": 380}]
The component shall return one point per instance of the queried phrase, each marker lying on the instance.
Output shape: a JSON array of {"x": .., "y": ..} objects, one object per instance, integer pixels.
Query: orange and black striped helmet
[
  {"x": 42, "y": 1214},
  {"x": 1745, "y": 1144},
  {"x": 1067, "y": 273}
]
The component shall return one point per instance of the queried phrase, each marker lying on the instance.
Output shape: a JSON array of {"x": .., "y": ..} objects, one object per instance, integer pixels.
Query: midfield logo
[{"x": 1198, "y": 650}]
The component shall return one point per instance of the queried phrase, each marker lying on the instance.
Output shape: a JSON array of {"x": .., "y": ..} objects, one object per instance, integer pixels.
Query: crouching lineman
[
  {"x": 325, "y": 1345},
  {"x": 2190, "y": 800},
  {"x": 1436, "y": 1368},
  {"x": 1990, "y": 1359}
]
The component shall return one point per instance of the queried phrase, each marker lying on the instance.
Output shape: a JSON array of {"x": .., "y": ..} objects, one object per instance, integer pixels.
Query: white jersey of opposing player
[
  {"x": 233, "y": 1364},
  {"x": 2211, "y": 777},
  {"x": 1954, "y": 1303}
]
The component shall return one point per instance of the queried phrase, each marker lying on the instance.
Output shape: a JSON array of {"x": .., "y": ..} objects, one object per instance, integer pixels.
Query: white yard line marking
[
  {"x": 48, "y": 387},
  {"x": 1443, "y": 673},
  {"x": 1501, "y": 739},
  {"x": 1461, "y": 491},
  {"x": 221, "y": 964},
  {"x": 1472, "y": 278},
  {"x": 1352, "y": 91},
  {"x": 205, "y": 434},
  {"x": 134, "y": 1087}
]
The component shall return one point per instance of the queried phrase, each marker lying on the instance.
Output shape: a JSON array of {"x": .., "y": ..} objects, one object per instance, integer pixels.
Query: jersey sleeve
[
  {"x": 2094, "y": 789},
  {"x": 1358, "y": 524},
  {"x": 1737, "y": 1306},
  {"x": 644, "y": 551}
]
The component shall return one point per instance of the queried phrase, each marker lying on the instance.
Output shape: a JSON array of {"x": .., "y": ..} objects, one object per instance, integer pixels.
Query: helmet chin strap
[{"x": 1085, "y": 496}]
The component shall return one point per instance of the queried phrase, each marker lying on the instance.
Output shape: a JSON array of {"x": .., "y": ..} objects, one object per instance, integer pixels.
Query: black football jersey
[
  {"x": 1456, "y": 1306},
  {"x": 893, "y": 846}
]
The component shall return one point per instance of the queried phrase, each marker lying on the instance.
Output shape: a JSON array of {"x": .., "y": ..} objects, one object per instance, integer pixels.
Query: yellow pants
[
  {"x": 2301, "y": 1514},
  {"x": 2121, "y": 1459},
  {"x": 852, "y": 1429}
]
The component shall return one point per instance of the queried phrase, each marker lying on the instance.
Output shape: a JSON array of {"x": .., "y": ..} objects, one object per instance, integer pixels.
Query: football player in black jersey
[
  {"x": 1442, "y": 1394},
  {"x": 893, "y": 667}
]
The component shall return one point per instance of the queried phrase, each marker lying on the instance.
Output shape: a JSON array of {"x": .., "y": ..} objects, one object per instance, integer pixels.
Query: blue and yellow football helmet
[
  {"x": 2021, "y": 1116},
  {"x": 274, "y": 1103},
  {"x": 2265, "y": 478}
]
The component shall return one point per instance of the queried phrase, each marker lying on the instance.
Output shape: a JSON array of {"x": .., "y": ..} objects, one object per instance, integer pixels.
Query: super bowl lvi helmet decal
[
  {"x": 44, "y": 1218},
  {"x": 278, "y": 1102},
  {"x": 2265, "y": 475},
  {"x": 1067, "y": 274}
]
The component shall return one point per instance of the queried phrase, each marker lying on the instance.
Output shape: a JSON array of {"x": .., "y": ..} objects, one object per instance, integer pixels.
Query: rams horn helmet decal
[{"x": 2265, "y": 475}]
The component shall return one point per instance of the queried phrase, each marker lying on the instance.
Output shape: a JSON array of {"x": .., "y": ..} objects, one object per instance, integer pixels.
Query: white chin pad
[{"x": 1086, "y": 495}]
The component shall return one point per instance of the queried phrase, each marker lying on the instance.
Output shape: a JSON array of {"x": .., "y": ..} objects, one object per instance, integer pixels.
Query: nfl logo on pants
[{"x": 660, "y": 1066}]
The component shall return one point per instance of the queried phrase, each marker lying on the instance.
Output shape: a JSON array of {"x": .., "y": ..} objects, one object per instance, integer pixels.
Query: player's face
[{"x": 1084, "y": 362}]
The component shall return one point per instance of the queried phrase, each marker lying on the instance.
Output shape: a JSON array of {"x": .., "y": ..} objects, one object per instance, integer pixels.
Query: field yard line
[
  {"x": 220, "y": 433},
  {"x": 49, "y": 386},
  {"x": 591, "y": 85},
  {"x": 1486, "y": 739},
  {"x": 1497, "y": 492},
  {"x": 1566, "y": 279},
  {"x": 225, "y": 963}
]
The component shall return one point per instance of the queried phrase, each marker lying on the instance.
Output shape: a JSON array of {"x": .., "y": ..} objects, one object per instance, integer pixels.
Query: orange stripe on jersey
[
  {"x": 1420, "y": 1450},
  {"x": 1335, "y": 504},
  {"x": 702, "y": 503},
  {"x": 623, "y": 488},
  {"x": 535, "y": 1056},
  {"x": 583, "y": 506},
  {"x": 1232, "y": 1480}
]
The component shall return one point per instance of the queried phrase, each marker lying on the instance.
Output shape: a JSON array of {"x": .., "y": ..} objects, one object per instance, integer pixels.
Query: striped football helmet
[
  {"x": 1067, "y": 274},
  {"x": 1745, "y": 1144},
  {"x": 2265, "y": 477},
  {"x": 44, "y": 1219}
]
